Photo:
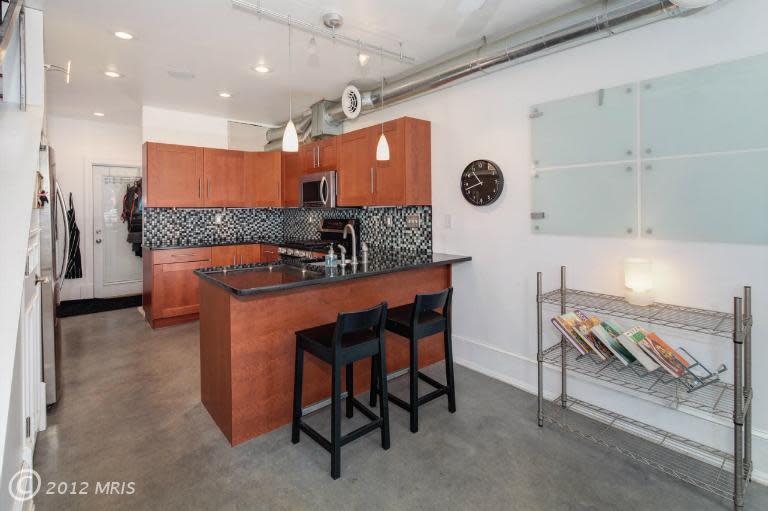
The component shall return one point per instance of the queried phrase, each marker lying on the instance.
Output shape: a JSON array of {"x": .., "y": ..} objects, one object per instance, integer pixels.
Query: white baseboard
[{"x": 501, "y": 365}]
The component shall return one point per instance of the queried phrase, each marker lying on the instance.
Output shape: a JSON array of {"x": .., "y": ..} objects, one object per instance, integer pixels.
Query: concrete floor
[{"x": 131, "y": 413}]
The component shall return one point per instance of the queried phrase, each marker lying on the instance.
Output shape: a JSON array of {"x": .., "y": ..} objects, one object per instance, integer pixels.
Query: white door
[{"x": 117, "y": 269}]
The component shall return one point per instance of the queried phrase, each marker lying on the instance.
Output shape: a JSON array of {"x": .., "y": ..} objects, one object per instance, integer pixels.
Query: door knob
[{"x": 98, "y": 240}]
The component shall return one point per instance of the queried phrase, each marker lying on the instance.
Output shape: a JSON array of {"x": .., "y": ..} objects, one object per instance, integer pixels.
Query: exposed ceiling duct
[{"x": 584, "y": 25}]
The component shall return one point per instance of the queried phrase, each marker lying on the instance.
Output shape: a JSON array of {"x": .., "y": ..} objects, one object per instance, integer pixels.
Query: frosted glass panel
[
  {"x": 590, "y": 128},
  {"x": 119, "y": 262},
  {"x": 720, "y": 198},
  {"x": 592, "y": 201},
  {"x": 714, "y": 109}
]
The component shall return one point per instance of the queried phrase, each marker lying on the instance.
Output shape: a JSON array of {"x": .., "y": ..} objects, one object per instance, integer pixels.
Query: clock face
[{"x": 482, "y": 182}]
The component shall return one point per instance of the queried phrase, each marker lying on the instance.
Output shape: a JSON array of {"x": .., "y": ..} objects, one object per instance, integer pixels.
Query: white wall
[
  {"x": 495, "y": 325},
  {"x": 246, "y": 137},
  {"x": 35, "y": 73},
  {"x": 175, "y": 127},
  {"x": 79, "y": 144}
]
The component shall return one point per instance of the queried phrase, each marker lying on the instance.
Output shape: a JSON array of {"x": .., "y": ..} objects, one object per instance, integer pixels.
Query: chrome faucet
[{"x": 351, "y": 229}]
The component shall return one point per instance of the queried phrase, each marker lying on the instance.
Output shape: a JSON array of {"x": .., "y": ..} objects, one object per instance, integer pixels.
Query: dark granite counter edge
[{"x": 203, "y": 274}]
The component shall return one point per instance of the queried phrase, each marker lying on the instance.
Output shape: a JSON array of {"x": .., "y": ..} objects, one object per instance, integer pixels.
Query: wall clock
[{"x": 482, "y": 182}]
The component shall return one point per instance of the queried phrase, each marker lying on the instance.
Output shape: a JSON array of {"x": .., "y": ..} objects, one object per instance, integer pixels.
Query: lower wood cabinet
[
  {"x": 171, "y": 288},
  {"x": 269, "y": 254},
  {"x": 171, "y": 293}
]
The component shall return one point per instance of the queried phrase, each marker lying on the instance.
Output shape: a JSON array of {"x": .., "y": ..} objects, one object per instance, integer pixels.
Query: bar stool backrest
[
  {"x": 373, "y": 319},
  {"x": 430, "y": 302}
]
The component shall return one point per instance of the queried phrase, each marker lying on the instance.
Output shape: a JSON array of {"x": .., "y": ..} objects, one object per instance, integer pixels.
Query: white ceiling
[{"x": 220, "y": 44}]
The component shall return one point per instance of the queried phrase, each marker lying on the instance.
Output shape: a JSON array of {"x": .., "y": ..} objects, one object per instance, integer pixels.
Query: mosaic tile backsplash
[{"x": 379, "y": 227}]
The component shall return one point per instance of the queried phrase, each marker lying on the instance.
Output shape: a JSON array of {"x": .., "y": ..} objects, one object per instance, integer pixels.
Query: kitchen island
[{"x": 248, "y": 316}]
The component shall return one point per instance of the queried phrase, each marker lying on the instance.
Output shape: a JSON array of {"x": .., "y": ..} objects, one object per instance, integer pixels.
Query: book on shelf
[
  {"x": 630, "y": 339},
  {"x": 583, "y": 329},
  {"x": 607, "y": 333},
  {"x": 566, "y": 325},
  {"x": 664, "y": 355}
]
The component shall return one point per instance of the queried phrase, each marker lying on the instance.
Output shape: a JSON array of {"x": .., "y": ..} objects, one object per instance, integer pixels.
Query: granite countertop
[
  {"x": 261, "y": 278},
  {"x": 197, "y": 244}
]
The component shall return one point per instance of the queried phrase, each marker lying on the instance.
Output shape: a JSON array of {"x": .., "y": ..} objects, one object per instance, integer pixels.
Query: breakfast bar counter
[{"x": 248, "y": 316}]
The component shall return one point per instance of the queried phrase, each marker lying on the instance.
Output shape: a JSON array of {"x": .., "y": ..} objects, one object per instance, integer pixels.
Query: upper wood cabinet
[
  {"x": 263, "y": 179},
  {"x": 355, "y": 173},
  {"x": 404, "y": 180},
  {"x": 224, "y": 173},
  {"x": 173, "y": 175},
  {"x": 292, "y": 171},
  {"x": 321, "y": 155},
  {"x": 182, "y": 176}
]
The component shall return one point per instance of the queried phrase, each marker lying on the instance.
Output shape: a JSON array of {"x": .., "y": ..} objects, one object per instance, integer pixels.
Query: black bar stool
[
  {"x": 354, "y": 336},
  {"x": 416, "y": 321}
]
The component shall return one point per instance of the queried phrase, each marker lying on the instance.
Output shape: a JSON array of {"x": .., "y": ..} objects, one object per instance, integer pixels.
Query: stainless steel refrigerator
[{"x": 53, "y": 263}]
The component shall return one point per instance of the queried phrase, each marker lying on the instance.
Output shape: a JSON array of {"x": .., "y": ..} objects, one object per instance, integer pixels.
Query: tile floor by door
[{"x": 131, "y": 412}]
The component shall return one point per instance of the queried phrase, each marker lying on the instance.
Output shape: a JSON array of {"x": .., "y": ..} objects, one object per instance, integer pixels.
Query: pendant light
[
  {"x": 290, "y": 137},
  {"x": 382, "y": 148}
]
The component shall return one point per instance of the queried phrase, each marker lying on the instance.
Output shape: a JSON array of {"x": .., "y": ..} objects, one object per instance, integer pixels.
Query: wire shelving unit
[{"x": 723, "y": 474}]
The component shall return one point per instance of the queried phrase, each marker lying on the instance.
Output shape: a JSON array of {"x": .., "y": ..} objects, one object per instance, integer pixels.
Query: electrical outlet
[
  {"x": 218, "y": 218},
  {"x": 388, "y": 220},
  {"x": 413, "y": 221}
]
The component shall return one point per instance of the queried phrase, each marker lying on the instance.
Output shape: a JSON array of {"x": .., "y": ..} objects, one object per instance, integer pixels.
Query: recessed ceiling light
[
  {"x": 261, "y": 68},
  {"x": 112, "y": 74},
  {"x": 225, "y": 95},
  {"x": 98, "y": 114},
  {"x": 363, "y": 59},
  {"x": 124, "y": 35}
]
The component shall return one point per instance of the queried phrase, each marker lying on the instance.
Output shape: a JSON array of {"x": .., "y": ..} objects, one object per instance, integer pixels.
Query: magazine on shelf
[
  {"x": 583, "y": 329},
  {"x": 630, "y": 340},
  {"x": 565, "y": 324},
  {"x": 664, "y": 354},
  {"x": 607, "y": 333}
]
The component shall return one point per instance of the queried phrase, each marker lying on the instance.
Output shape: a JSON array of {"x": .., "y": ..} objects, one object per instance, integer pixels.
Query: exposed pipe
[{"x": 584, "y": 25}]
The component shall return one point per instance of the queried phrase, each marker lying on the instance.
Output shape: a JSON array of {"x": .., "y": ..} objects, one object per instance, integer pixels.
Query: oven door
[{"x": 318, "y": 190}]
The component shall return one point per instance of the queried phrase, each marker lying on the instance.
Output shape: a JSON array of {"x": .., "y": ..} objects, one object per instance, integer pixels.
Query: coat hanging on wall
[{"x": 75, "y": 265}]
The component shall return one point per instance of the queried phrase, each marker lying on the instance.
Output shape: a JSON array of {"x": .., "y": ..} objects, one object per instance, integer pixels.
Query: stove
[{"x": 331, "y": 231}]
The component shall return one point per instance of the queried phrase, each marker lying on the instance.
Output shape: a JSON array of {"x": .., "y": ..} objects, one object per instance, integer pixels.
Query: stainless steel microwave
[{"x": 318, "y": 190}]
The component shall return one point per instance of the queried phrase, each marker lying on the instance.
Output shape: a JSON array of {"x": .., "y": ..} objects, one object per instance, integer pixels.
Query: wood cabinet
[
  {"x": 403, "y": 180},
  {"x": 182, "y": 176},
  {"x": 225, "y": 255},
  {"x": 263, "y": 179},
  {"x": 173, "y": 175},
  {"x": 230, "y": 255},
  {"x": 269, "y": 254},
  {"x": 224, "y": 173},
  {"x": 248, "y": 254},
  {"x": 170, "y": 285},
  {"x": 321, "y": 155},
  {"x": 292, "y": 171},
  {"x": 355, "y": 173}
]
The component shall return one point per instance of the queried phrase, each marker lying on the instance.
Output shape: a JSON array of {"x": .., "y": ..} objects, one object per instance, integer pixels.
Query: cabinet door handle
[
  {"x": 372, "y": 179},
  {"x": 199, "y": 188},
  {"x": 234, "y": 260},
  {"x": 318, "y": 156}
]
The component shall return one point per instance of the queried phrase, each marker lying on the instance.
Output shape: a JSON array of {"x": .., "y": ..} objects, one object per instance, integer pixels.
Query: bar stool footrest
[
  {"x": 361, "y": 431},
  {"x": 376, "y": 423},
  {"x": 433, "y": 395},
  {"x": 317, "y": 437},
  {"x": 423, "y": 377}
]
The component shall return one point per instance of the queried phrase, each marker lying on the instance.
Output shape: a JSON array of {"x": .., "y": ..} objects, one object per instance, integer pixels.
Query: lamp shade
[
  {"x": 290, "y": 138},
  {"x": 638, "y": 277},
  {"x": 382, "y": 149}
]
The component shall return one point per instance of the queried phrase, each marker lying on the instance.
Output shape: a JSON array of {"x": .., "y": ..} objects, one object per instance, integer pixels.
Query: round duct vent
[{"x": 351, "y": 102}]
